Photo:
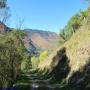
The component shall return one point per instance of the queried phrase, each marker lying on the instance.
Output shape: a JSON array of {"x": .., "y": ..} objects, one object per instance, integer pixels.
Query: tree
[
  {"x": 84, "y": 14},
  {"x": 4, "y": 11},
  {"x": 3, "y": 3},
  {"x": 20, "y": 24},
  {"x": 12, "y": 54},
  {"x": 88, "y": 1},
  {"x": 73, "y": 25},
  {"x": 43, "y": 55},
  {"x": 35, "y": 62}
]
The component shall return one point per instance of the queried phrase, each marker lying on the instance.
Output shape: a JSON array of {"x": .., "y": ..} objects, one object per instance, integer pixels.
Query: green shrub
[
  {"x": 37, "y": 60},
  {"x": 12, "y": 53},
  {"x": 43, "y": 55},
  {"x": 73, "y": 25}
]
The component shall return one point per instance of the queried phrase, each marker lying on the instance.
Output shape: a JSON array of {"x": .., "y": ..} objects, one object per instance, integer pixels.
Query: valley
[{"x": 37, "y": 59}]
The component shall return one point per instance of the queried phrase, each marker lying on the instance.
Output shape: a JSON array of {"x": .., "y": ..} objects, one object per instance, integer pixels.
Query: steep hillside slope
[
  {"x": 28, "y": 43},
  {"x": 42, "y": 39},
  {"x": 72, "y": 60}
]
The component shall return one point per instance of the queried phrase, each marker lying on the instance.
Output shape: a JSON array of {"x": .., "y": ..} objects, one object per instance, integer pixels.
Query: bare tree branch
[
  {"x": 19, "y": 25},
  {"x": 88, "y": 1},
  {"x": 4, "y": 11},
  {"x": 3, "y": 3}
]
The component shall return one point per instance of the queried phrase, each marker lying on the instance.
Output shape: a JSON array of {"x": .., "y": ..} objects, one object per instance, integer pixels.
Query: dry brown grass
[{"x": 77, "y": 50}]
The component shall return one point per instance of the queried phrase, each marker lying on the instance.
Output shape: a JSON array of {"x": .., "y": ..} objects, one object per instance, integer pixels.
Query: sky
[{"x": 50, "y": 15}]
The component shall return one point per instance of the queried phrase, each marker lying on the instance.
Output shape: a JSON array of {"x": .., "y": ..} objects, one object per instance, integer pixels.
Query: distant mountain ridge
[
  {"x": 36, "y": 40},
  {"x": 43, "y": 33},
  {"x": 42, "y": 39}
]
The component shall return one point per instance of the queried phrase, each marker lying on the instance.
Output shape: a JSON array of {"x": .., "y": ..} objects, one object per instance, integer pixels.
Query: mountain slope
[
  {"x": 42, "y": 39},
  {"x": 71, "y": 62},
  {"x": 35, "y": 40}
]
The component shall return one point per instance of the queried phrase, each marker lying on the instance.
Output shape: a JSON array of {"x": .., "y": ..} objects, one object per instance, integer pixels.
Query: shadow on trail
[
  {"x": 61, "y": 70},
  {"x": 80, "y": 80},
  {"x": 31, "y": 81},
  {"x": 35, "y": 81}
]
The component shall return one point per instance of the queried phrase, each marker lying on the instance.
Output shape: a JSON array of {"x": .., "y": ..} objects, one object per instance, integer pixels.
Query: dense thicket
[{"x": 12, "y": 53}]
